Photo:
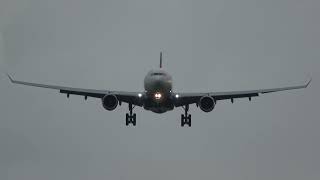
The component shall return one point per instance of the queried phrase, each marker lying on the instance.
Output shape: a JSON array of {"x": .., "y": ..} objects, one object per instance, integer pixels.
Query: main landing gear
[
  {"x": 186, "y": 118},
  {"x": 131, "y": 118}
]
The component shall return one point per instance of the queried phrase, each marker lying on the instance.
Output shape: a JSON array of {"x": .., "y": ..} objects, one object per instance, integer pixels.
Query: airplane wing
[
  {"x": 190, "y": 98},
  {"x": 127, "y": 97}
]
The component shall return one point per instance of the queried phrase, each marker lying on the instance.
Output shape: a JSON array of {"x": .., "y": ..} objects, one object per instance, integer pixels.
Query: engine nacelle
[
  {"x": 110, "y": 102},
  {"x": 207, "y": 103}
]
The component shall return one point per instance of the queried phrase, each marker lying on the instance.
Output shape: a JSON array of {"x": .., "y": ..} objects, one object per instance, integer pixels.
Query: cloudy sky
[{"x": 219, "y": 45}]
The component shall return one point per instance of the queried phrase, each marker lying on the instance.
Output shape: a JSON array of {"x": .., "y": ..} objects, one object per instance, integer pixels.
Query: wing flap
[
  {"x": 262, "y": 91},
  {"x": 190, "y": 98},
  {"x": 234, "y": 96},
  {"x": 61, "y": 88},
  {"x": 123, "y": 96}
]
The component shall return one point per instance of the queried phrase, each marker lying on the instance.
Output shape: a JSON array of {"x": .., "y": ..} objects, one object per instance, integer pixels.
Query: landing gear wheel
[
  {"x": 131, "y": 118},
  {"x": 186, "y": 118},
  {"x": 127, "y": 119},
  {"x": 189, "y": 120},
  {"x": 134, "y": 119},
  {"x": 182, "y": 120}
]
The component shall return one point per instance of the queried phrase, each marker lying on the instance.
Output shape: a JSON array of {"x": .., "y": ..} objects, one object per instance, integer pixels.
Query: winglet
[
  {"x": 160, "y": 59},
  {"x": 10, "y": 78},
  {"x": 308, "y": 82}
]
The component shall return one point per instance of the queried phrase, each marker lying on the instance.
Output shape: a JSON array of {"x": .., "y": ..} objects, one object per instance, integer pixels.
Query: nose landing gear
[
  {"x": 131, "y": 118},
  {"x": 186, "y": 118}
]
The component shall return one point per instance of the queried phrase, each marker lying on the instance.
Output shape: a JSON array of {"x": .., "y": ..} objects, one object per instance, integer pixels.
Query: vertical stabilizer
[
  {"x": 160, "y": 59},
  {"x": 2, "y": 55}
]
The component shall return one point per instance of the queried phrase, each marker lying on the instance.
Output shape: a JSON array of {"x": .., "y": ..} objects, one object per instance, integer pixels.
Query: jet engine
[
  {"x": 110, "y": 102},
  {"x": 206, "y": 103}
]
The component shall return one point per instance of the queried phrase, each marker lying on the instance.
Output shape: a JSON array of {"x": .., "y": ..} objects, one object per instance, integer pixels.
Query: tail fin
[{"x": 160, "y": 59}]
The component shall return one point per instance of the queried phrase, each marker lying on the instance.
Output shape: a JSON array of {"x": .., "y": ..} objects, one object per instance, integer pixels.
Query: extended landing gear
[
  {"x": 186, "y": 118},
  {"x": 131, "y": 118}
]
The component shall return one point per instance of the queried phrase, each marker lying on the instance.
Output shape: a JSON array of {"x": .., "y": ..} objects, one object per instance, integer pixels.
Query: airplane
[{"x": 158, "y": 96}]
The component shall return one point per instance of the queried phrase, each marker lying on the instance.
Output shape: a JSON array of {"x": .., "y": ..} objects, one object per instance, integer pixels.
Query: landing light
[
  {"x": 157, "y": 96},
  {"x": 140, "y": 95},
  {"x": 177, "y": 95}
]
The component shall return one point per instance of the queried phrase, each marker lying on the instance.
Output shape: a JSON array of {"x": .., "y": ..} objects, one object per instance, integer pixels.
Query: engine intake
[
  {"x": 110, "y": 102},
  {"x": 207, "y": 103}
]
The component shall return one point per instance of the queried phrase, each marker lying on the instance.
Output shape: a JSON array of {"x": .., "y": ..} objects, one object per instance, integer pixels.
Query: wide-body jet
[{"x": 158, "y": 96}]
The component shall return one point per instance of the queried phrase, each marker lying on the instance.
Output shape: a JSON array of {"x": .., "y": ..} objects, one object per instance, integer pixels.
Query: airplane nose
[{"x": 158, "y": 82}]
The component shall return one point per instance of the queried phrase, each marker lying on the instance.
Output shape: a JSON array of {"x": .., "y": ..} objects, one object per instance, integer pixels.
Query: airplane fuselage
[{"x": 158, "y": 94}]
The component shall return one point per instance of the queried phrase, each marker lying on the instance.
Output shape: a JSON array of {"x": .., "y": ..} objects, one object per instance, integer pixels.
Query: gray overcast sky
[{"x": 219, "y": 45}]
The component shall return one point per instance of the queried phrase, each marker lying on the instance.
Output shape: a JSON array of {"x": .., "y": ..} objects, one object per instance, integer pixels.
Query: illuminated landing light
[
  {"x": 140, "y": 95},
  {"x": 157, "y": 96},
  {"x": 177, "y": 95}
]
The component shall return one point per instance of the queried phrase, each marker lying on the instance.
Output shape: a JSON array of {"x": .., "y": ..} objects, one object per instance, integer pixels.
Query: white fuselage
[{"x": 158, "y": 86}]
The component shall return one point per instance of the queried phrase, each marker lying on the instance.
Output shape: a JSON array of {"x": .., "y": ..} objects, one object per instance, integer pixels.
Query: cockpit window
[{"x": 155, "y": 74}]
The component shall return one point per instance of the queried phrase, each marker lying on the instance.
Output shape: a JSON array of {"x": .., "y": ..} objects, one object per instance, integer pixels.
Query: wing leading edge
[
  {"x": 190, "y": 98},
  {"x": 184, "y": 98},
  {"x": 128, "y": 97}
]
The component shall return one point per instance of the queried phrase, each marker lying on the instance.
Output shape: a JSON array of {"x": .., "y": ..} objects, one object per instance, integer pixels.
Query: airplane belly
[
  {"x": 158, "y": 110},
  {"x": 158, "y": 107}
]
